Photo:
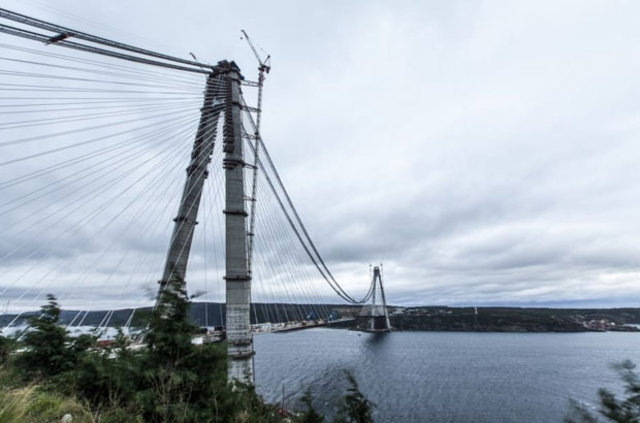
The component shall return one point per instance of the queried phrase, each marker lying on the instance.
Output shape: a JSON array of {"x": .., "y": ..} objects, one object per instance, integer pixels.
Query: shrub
[
  {"x": 47, "y": 353},
  {"x": 355, "y": 408},
  {"x": 616, "y": 410}
]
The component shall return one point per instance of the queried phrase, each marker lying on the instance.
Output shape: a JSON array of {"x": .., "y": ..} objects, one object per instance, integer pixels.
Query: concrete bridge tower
[
  {"x": 376, "y": 314},
  {"x": 222, "y": 97}
]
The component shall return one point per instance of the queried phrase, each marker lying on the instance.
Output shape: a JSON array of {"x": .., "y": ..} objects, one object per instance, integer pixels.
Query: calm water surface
[{"x": 445, "y": 376}]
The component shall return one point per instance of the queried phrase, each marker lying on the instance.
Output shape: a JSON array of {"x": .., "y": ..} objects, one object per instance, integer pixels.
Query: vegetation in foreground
[
  {"x": 47, "y": 376},
  {"x": 611, "y": 408}
]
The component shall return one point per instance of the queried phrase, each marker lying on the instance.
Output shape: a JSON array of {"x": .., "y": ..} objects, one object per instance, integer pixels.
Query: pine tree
[
  {"x": 356, "y": 408},
  {"x": 47, "y": 352},
  {"x": 616, "y": 410},
  {"x": 182, "y": 382},
  {"x": 6, "y": 347},
  {"x": 310, "y": 415}
]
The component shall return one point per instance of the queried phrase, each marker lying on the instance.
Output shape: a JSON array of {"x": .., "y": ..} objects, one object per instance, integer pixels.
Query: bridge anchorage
[{"x": 375, "y": 317}]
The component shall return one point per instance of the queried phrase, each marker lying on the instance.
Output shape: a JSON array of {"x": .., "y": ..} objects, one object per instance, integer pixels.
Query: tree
[
  {"x": 310, "y": 415},
  {"x": 356, "y": 408},
  {"x": 171, "y": 380},
  {"x": 182, "y": 382},
  {"x": 7, "y": 345},
  {"x": 107, "y": 377},
  {"x": 47, "y": 353},
  {"x": 611, "y": 408}
]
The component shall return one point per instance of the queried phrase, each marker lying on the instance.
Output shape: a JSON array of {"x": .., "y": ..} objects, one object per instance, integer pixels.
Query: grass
[{"x": 34, "y": 405}]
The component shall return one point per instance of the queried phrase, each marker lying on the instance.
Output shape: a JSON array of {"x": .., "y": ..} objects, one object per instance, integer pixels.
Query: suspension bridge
[{"x": 96, "y": 207}]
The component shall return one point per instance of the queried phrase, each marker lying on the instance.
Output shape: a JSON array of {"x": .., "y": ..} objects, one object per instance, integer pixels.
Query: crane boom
[{"x": 264, "y": 66}]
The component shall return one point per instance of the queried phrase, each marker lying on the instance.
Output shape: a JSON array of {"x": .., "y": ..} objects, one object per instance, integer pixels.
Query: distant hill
[
  {"x": 513, "y": 319},
  {"x": 201, "y": 313},
  {"x": 432, "y": 318}
]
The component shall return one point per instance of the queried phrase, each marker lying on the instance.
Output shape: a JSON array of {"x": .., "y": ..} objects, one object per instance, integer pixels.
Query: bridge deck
[{"x": 304, "y": 325}]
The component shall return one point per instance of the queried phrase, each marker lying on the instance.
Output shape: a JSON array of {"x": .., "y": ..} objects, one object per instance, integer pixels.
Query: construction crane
[{"x": 264, "y": 66}]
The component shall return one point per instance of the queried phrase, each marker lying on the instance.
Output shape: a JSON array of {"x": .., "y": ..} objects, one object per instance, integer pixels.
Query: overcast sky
[{"x": 486, "y": 151}]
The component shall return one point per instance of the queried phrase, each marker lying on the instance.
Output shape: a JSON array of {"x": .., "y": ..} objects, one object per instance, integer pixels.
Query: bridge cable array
[
  {"x": 60, "y": 36},
  {"x": 69, "y": 157},
  {"x": 296, "y": 222},
  {"x": 97, "y": 148}
]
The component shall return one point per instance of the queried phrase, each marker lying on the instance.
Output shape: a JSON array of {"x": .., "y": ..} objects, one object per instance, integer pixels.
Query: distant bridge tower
[
  {"x": 222, "y": 96},
  {"x": 378, "y": 314}
]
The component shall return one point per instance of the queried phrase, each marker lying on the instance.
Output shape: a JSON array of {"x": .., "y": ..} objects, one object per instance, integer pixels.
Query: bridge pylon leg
[
  {"x": 222, "y": 95},
  {"x": 378, "y": 314},
  {"x": 175, "y": 268},
  {"x": 238, "y": 280}
]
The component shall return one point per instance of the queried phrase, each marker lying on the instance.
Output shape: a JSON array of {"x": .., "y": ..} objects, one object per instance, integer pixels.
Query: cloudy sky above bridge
[{"x": 486, "y": 151}]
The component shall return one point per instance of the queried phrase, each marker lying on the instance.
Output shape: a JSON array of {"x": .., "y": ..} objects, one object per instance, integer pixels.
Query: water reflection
[{"x": 374, "y": 339}]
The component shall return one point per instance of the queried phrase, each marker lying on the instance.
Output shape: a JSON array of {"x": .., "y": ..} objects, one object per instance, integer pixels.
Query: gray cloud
[{"x": 487, "y": 152}]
